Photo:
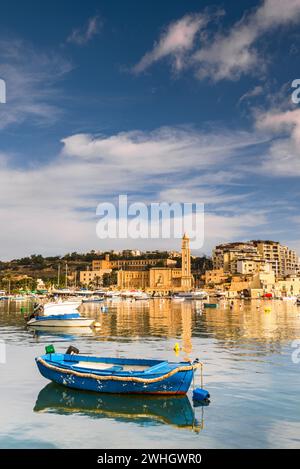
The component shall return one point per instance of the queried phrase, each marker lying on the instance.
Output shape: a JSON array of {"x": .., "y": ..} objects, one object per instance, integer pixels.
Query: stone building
[
  {"x": 134, "y": 264},
  {"x": 251, "y": 256},
  {"x": 88, "y": 277},
  {"x": 160, "y": 279}
]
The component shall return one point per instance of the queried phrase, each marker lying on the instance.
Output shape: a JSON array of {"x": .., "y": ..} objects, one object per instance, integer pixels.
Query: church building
[{"x": 161, "y": 279}]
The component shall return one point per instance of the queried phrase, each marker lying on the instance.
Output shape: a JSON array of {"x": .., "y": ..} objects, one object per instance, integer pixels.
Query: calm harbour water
[{"x": 249, "y": 372}]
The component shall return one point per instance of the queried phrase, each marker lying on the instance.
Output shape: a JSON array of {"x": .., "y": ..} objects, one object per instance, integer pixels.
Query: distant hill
[{"x": 24, "y": 272}]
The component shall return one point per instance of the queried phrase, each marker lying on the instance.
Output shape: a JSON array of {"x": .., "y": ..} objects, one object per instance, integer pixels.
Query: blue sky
[{"x": 164, "y": 101}]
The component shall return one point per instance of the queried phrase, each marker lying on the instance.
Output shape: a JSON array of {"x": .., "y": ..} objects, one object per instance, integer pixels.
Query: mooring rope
[{"x": 120, "y": 378}]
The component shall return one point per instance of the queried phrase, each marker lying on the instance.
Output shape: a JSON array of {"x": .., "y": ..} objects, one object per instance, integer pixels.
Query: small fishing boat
[
  {"x": 220, "y": 294},
  {"x": 200, "y": 295},
  {"x": 93, "y": 299},
  {"x": 116, "y": 375},
  {"x": 141, "y": 296},
  {"x": 289, "y": 298},
  {"x": 112, "y": 294},
  {"x": 211, "y": 305},
  {"x": 193, "y": 295},
  {"x": 19, "y": 298},
  {"x": 178, "y": 299}
]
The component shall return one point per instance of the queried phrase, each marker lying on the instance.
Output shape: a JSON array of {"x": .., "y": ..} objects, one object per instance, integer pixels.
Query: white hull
[{"x": 80, "y": 322}]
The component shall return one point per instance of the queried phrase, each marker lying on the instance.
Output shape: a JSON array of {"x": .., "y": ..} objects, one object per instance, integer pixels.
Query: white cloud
[
  {"x": 31, "y": 80},
  {"x": 283, "y": 158},
  {"x": 224, "y": 55},
  {"x": 51, "y": 208},
  {"x": 230, "y": 55},
  {"x": 288, "y": 121},
  {"x": 256, "y": 91},
  {"x": 82, "y": 36},
  {"x": 174, "y": 42}
]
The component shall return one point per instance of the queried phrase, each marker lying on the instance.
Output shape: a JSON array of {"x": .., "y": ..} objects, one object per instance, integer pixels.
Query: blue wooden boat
[{"x": 117, "y": 375}]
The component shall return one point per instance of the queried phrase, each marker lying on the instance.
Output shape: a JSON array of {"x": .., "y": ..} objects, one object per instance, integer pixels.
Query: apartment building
[
  {"x": 226, "y": 256},
  {"x": 252, "y": 256},
  {"x": 284, "y": 261}
]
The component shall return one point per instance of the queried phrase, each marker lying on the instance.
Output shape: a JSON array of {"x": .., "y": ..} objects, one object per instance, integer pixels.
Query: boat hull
[
  {"x": 93, "y": 301},
  {"x": 211, "y": 305},
  {"x": 48, "y": 322},
  {"x": 151, "y": 383}
]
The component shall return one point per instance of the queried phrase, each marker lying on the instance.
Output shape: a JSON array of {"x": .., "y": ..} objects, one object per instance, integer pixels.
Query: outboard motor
[{"x": 72, "y": 350}]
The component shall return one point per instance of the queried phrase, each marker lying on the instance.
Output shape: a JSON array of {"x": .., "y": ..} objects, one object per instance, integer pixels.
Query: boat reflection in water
[
  {"x": 60, "y": 332},
  {"x": 145, "y": 410}
]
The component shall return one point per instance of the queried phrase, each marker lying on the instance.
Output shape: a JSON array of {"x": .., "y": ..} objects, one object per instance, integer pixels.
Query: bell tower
[{"x": 186, "y": 278}]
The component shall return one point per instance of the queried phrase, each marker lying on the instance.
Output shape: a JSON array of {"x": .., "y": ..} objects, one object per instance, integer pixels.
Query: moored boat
[
  {"x": 289, "y": 298},
  {"x": 200, "y": 295},
  {"x": 178, "y": 299},
  {"x": 112, "y": 293},
  {"x": 58, "y": 315},
  {"x": 116, "y": 375},
  {"x": 211, "y": 305},
  {"x": 141, "y": 296},
  {"x": 93, "y": 299}
]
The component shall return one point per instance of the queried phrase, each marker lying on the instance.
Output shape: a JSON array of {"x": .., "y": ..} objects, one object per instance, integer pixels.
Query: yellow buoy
[
  {"x": 267, "y": 310},
  {"x": 176, "y": 347}
]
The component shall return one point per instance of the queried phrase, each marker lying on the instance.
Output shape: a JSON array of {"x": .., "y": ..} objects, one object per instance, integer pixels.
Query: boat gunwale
[{"x": 158, "y": 367}]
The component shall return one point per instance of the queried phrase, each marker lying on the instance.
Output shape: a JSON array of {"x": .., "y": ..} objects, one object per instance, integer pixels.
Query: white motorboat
[
  {"x": 193, "y": 295},
  {"x": 289, "y": 298},
  {"x": 93, "y": 299},
  {"x": 178, "y": 299},
  {"x": 128, "y": 293},
  {"x": 141, "y": 296},
  {"x": 200, "y": 295},
  {"x": 112, "y": 293},
  {"x": 220, "y": 293},
  {"x": 61, "y": 314}
]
